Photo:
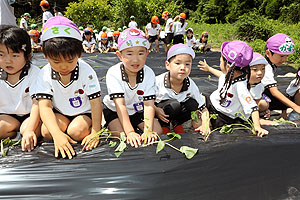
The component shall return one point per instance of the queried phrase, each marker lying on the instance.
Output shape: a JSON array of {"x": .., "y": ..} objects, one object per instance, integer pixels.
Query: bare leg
[
  {"x": 79, "y": 128},
  {"x": 62, "y": 122},
  {"x": 8, "y": 126}
]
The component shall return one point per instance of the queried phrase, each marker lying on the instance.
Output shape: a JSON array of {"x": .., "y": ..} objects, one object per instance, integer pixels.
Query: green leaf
[
  {"x": 283, "y": 121},
  {"x": 194, "y": 116},
  {"x": 122, "y": 146},
  {"x": 227, "y": 129},
  {"x": 174, "y": 135},
  {"x": 209, "y": 77},
  {"x": 118, "y": 153},
  {"x": 160, "y": 146},
  {"x": 3, "y": 153},
  {"x": 112, "y": 144},
  {"x": 214, "y": 116},
  {"x": 122, "y": 137},
  {"x": 188, "y": 151}
]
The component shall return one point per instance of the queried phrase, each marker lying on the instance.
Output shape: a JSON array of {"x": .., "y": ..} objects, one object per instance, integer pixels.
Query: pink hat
[
  {"x": 60, "y": 27},
  {"x": 258, "y": 59},
  {"x": 132, "y": 37},
  {"x": 180, "y": 49},
  {"x": 281, "y": 44},
  {"x": 237, "y": 52}
]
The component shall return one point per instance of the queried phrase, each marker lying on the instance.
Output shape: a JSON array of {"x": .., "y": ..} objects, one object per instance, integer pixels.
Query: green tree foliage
[
  {"x": 90, "y": 12},
  {"x": 290, "y": 14},
  {"x": 252, "y": 26}
]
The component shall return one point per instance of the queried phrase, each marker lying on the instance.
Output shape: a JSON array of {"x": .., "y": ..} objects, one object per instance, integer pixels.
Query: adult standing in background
[
  {"x": 57, "y": 11},
  {"x": 7, "y": 16}
]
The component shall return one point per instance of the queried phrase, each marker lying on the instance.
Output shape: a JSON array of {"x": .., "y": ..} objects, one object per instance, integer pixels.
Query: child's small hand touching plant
[{"x": 203, "y": 66}]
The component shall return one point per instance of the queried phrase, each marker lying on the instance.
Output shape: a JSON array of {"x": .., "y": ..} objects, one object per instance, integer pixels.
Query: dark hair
[
  {"x": 46, "y": 7},
  {"x": 182, "y": 21},
  {"x": 297, "y": 82},
  {"x": 229, "y": 79},
  {"x": 18, "y": 40},
  {"x": 62, "y": 46},
  {"x": 269, "y": 50},
  {"x": 57, "y": 8}
]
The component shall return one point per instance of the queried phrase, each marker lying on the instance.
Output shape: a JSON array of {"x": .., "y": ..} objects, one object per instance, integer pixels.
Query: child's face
[
  {"x": 35, "y": 38},
  {"x": 204, "y": 39},
  {"x": 276, "y": 59},
  {"x": 64, "y": 66},
  {"x": 189, "y": 34},
  {"x": 257, "y": 73},
  {"x": 133, "y": 58},
  {"x": 180, "y": 66},
  {"x": 10, "y": 61},
  {"x": 88, "y": 36}
]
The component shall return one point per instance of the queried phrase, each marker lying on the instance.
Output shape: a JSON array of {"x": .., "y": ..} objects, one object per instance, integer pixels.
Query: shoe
[
  {"x": 178, "y": 129},
  {"x": 166, "y": 130}
]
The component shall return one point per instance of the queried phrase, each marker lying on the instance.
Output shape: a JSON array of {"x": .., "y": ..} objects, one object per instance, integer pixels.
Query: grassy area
[{"x": 219, "y": 33}]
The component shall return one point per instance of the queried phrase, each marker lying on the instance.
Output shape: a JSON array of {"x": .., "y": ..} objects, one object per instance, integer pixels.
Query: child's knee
[
  {"x": 190, "y": 105},
  {"x": 263, "y": 105},
  {"x": 78, "y": 132}
]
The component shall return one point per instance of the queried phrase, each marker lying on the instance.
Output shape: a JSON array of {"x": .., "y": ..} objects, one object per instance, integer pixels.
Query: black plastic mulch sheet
[{"x": 238, "y": 166}]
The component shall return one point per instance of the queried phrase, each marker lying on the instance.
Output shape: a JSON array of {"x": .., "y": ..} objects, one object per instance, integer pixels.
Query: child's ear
[
  {"x": 167, "y": 65},
  {"x": 119, "y": 55},
  {"x": 268, "y": 53}
]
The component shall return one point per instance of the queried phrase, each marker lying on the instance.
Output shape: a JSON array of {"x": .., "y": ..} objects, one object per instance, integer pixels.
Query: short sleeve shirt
[
  {"x": 46, "y": 15},
  {"x": 118, "y": 87},
  {"x": 71, "y": 99},
  {"x": 168, "y": 24},
  {"x": 178, "y": 29},
  {"x": 292, "y": 88},
  {"x": 23, "y": 21},
  {"x": 238, "y": 99},
  {"x": 132, "y": 24},
  {"x": 190, "y": 42},
  {"x": 153, "y": 31},
  {"x": 268, "y": 80},
  {"x": 17, "y": 98},
  {"x": 189, "y": 90},
  {"x": 257, "y": 91},
  {"x": 90, "y": 43}
]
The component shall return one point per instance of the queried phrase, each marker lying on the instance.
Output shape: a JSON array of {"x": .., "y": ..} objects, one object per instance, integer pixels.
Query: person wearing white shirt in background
[
  {"x": 152, "y": 31},
  {"x": 46, "y": 13},
  {"x": 179, "y": 28},
  {"x": 57, "y": 11},
  {"x": 169, "y": 29},
  {"x": 190, "y": 38},
  {"x": 132, "y": 23},
  {"x": 23, "y": 22}
]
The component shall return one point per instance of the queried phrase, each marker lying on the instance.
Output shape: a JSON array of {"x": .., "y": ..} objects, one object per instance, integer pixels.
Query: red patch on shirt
[
  {"x": 140, "y": 92},
  {"x": 229, "y": 95}
]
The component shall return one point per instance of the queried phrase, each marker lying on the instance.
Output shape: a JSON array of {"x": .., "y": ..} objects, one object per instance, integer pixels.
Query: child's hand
[
  {"x": 202, "y": 131},
  {"x": 149, "y": 137},
  {"x": 267, "y": 114},
  {"x": 203, "y": 66},
  {"x": 133, "y": 139},
  {"x": 90, "y": 142},
  {"x": 29, "y": 141},
  {"x": 261, "y": 132},
  {"x": 62, "y": 145},
  {"x": 161, "y": 114}
]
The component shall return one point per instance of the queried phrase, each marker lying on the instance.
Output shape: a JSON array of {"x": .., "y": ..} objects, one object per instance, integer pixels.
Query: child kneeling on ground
[
  {"x": 131, "y": 91},
  {"x": 177, "y": 95},
  {"x": 68, "y": 90}
]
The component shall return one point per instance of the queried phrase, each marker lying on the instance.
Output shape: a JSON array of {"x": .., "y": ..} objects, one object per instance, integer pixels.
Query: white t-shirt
[
  {"x": 238, "y": 99},
  {"x": 153, "y": 31},
  {"x": 17, "y": 99},
  {"x": 118, "y": 87},
  {"x": 46, "y": 15},
  {"x": 189, "y": 90},
  {"x": 23, "y": 21},
  {"x": 132, "y": 24},
  {"x": 58, "y": 14},
  {"x": 71, "y": 99},
  {"x": 178, "y": 29},
  {"x": 292, "y": 89},
  {"x": 7, "y": 16},
  {"x": 167, "y": 28},
  {"x": 90, "y": 43},
  {"x": 268, "y": 80},
  {"x": 190, "y": 42},
  {"x": 34, "y": 43},
  {"x": 257, "y": 91}
]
